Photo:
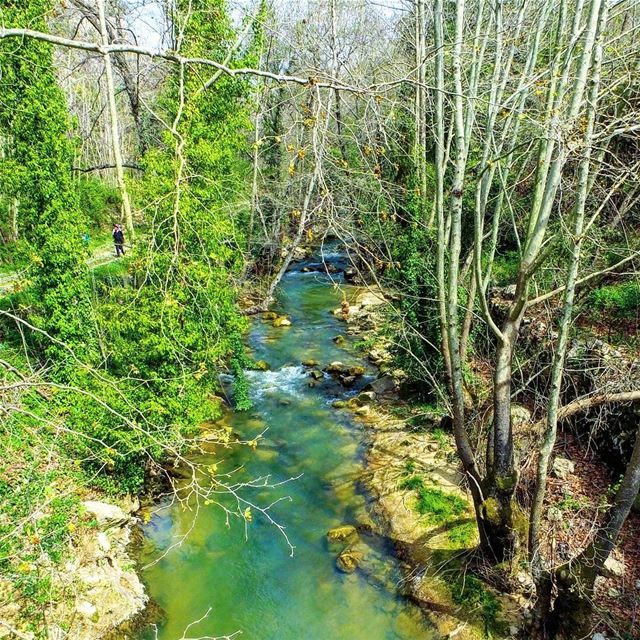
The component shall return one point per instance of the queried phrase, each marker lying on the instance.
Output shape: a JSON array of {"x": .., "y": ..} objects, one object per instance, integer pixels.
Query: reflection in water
[{"x": 253, "y": 585}]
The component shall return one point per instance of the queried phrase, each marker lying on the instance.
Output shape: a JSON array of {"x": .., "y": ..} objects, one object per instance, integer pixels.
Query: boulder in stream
[
  {"x": 343, "y": 532},
  {"x": 282, "y": 321},
  {"x": 335, "y": 367},
  {"x": 347, "y": 381},
  {"x": 349, "y": 560},
  {"x": 316, "y": 374},
  {"x": 310, "y": 363}
]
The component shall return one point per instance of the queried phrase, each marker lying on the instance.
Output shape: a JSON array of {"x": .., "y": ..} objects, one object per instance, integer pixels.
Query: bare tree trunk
[
  {"x": 115, "y": 135},
  {"x": 567, "y": 313},
  {"x": 129, "y": 78},
  {"x": 502, "y": 478},
  {"x": 14, "y": 207}
]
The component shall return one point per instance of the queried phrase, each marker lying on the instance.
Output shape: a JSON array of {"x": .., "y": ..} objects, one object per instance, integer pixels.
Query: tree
[{"x": 38, "y": 177}]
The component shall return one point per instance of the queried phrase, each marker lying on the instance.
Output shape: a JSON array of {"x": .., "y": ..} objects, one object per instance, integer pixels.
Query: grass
[
  {"x": 464, "y": 535},
  {"x": 439, "y": 506},
  {"x": 470, "y": 592},
  {"x": 440, "y": 436},
  {"x": 116, "y": 269}
]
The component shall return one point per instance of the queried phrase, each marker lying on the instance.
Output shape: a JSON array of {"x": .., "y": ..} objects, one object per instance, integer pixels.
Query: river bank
[{"x": 419, "y": 501}]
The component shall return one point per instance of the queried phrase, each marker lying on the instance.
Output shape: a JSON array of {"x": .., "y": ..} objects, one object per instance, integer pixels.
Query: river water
[{"x": 253, "y": 585}]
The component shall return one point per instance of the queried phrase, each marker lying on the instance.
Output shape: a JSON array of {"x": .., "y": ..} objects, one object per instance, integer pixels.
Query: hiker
[{"x": 118, "y": 239}]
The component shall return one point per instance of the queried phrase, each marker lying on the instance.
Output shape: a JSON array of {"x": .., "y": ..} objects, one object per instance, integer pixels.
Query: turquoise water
[{"x": 253, "y": 585}]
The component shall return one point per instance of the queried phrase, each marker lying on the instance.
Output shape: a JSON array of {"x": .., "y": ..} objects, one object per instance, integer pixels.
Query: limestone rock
[
  {"x": 339, "y": 404},
  {"x": 343, "y": 532},
  {"x": 106, "y": 514},
  {"x": 554, "y": 514},
  {"x": 103, "y": 541},
  {"x": 356, "y": 371},
  {"x": 613, "y": 568},
  {"x": 261, "y": 365},
  {"x": 335, "y": 367},
  {"x": 282, "y": 321},
  {"x": 269, "y": 315},
  {"x": 310, "y": 363},
  {"x": 347, "y": 381},
  {"x": 340, "y": 340},
  {"x": 384, "y": 387},
  {"x": 370, "y": 297},
  {"x": 349, "y": 560},
  {"x": 562, "y": 467},
  {"x": 86, "y": 609},
  {"x": 317, "y": 374}
]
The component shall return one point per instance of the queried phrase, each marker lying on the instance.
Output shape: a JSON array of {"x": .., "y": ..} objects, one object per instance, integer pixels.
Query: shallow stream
[{"x": 253, "y": 585}]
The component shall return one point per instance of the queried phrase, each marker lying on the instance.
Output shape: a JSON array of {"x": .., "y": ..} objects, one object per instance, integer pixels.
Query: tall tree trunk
[
  {"x": 567, "y": 313},
  {"x": 129, "y": 78},
  {"x": 115, "y": 134},
  {"x": 502, "y": 477}
]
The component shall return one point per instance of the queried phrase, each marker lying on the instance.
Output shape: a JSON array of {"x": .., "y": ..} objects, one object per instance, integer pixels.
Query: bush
[
  {"x": 98, "y": 201},
  {"x": 621, "y": 300}
]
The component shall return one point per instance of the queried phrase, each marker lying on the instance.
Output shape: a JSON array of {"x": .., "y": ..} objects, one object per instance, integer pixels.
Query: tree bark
[{"x": 115, "y": 134}]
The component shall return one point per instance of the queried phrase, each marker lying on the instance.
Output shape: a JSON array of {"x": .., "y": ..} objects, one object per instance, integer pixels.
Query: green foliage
[
  {"x": 37, "y": 174},
  {"x": 440, "y": 437},
  {"x": 438, "y": 505},
  {"x": 505, "y": 268},
  {"x": 414, "y": 274},
  {"x": 621, "y": 300},
  {"x": 98, "y": 201},
  {"x": 470, "y": 592},
  {"x": 569, "y": 503},
  {"x": 464, "y": 535},
  {"x": 414, "y": 482}
]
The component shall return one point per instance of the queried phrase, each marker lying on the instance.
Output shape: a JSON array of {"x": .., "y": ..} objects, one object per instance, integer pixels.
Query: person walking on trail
[{"x": 118, "y": 239}]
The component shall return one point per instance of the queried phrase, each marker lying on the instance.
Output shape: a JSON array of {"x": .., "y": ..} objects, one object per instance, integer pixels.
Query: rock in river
[
  {"x": 282, "y": 321},
  {"x": 335, "y": 367},
  {"x": 349, "y": 560},
  {"x": 316, "y": 374},
  {"x": 343, "y": 532}
]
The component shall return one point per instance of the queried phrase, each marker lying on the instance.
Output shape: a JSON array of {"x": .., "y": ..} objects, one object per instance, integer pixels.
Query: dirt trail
[{"x": 101, "y": 255}]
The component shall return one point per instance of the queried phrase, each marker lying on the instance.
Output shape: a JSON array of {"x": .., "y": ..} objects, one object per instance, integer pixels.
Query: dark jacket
[{"x": 118, "y": 236}]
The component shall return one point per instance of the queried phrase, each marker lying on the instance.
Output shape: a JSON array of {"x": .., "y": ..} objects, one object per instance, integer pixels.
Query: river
[{"x": 254, "y": 585}]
